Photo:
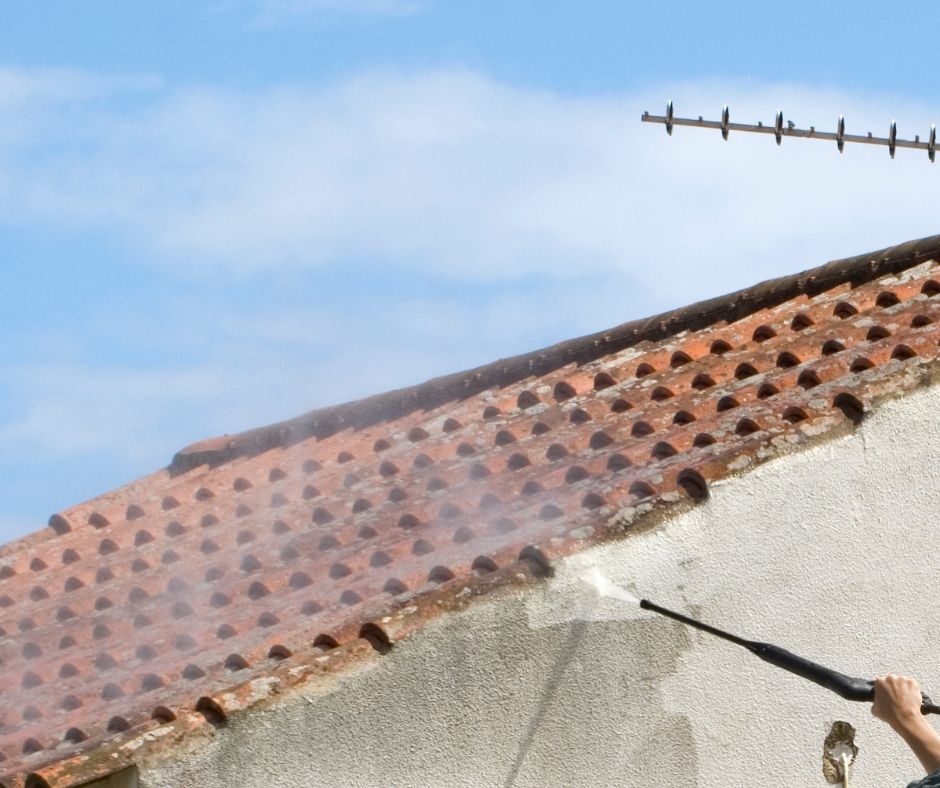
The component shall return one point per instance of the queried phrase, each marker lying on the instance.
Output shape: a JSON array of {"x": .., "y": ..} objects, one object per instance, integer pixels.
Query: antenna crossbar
[{"x": 779, "y": 130}]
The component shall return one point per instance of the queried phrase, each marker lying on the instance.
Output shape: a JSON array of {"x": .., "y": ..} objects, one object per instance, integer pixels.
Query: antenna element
[{"x": 725, "y": 126}]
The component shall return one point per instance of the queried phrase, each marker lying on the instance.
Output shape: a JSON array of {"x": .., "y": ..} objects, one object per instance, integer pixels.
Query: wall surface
[{"x": 830, "y": 552}]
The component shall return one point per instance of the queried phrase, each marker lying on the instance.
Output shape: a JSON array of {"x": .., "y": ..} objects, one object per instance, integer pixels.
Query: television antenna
[{"x": 780, "y": 130}]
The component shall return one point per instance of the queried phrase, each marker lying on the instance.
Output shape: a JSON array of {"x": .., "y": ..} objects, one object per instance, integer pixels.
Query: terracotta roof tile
[{"x": 263, "y": 560}]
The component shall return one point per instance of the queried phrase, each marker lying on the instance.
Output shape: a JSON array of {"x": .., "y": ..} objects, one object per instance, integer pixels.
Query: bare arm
[{"x": 897, "y": 702}]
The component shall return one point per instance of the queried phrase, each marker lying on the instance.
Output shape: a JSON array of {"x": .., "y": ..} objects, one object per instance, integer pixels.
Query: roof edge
[{"x": 323, "y": 422}]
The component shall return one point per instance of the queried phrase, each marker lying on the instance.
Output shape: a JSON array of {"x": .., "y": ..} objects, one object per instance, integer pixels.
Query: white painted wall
[{"x": 831, "y": 552}]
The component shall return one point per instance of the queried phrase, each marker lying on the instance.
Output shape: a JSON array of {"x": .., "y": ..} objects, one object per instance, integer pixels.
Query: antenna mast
[{"x": 779, "y": 130}]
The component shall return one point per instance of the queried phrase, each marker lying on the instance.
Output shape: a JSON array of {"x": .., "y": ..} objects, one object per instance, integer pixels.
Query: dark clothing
[{"x": 932, "y": 780}]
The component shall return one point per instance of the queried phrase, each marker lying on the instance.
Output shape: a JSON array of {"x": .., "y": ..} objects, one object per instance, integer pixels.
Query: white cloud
[
  {"x": 28, "y": 90},
  {"x": 11, "y": 528},
  {"x": 272, "y": 13},
  {"x": 228, "y": 369},
  {"x": 105, "y": 410},
  {"x": 383, "y": 7},
  {"x": 455, "y": 175}
]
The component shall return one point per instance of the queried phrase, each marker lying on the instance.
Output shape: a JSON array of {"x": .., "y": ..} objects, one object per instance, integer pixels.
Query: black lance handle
[{"x": 844, "y": 686}]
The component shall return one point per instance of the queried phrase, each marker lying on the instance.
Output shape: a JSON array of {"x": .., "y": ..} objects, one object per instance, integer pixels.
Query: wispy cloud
[
  {"x": 114, "y": 411},
  {"x": 456, "y": 175},
  {"x": 32, "y": 89},
  {"x": 271, "y": 13},
  {"x": 11, "y": 527},
  {"x": 393, "y": 7},
  {"x": 223, "y": 368}
]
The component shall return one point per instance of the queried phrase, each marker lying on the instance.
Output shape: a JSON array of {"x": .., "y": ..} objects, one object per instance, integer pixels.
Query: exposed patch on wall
[
  {"x": 479, "y": 698},
  {"x": 839, "y": 752}
]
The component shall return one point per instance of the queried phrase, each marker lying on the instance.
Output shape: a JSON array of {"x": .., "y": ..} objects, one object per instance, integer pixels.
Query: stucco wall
[{"x": 830, "y": 552}]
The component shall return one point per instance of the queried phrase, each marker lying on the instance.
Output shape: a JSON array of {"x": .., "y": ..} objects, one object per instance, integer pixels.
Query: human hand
[{"x": 897, "y": 701}]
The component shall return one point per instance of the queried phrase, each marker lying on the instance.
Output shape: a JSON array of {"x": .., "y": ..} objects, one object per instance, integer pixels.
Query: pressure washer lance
[{"x": 846, "y": 686}]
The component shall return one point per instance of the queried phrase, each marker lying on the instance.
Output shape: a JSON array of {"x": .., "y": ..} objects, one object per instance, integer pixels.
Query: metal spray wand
[{"x": 845, "y": 686}]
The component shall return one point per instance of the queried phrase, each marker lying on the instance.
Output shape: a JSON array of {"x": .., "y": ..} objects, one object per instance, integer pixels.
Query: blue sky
[{"x": 218, "y": 215}]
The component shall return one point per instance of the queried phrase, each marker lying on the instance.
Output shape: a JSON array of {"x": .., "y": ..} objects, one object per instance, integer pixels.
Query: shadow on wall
[
  {"x": 481, "y": 698},
  {"x": 125, "y": 778}
]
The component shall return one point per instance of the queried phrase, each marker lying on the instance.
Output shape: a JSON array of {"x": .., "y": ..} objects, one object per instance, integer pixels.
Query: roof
[{"x": 269, "y": 559}]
